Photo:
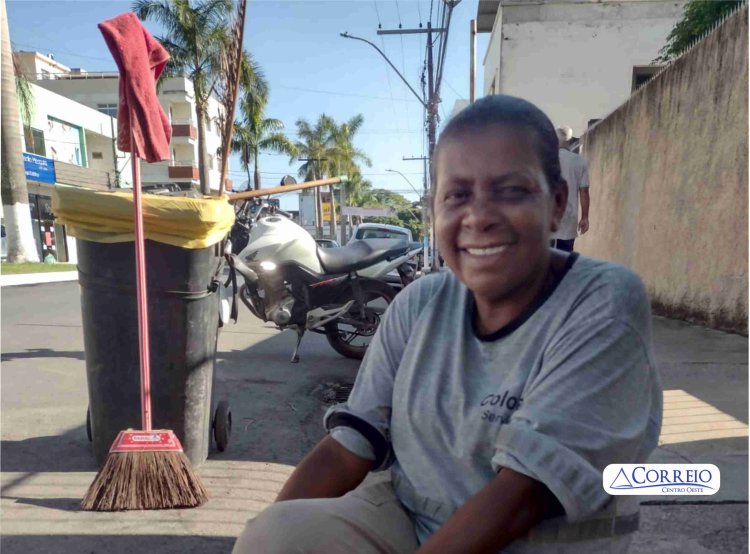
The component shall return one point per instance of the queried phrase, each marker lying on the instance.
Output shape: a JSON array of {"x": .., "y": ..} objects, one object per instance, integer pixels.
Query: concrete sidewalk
[
  {"x": 17, "y": 279},
  {"x": 47, "y": 464}
]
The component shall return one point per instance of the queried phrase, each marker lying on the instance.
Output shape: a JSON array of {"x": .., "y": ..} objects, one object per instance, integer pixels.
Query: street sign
[
  {"x": 38, "y": 168},
  {"x": 326, "y": 211}
]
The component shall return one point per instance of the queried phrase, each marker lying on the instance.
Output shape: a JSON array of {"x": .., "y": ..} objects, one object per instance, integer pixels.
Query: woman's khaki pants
[{"x": 368, "y": 520}]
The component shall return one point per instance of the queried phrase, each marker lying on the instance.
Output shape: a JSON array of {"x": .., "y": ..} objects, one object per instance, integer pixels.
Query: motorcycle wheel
[{"x": 342, "y": 337}]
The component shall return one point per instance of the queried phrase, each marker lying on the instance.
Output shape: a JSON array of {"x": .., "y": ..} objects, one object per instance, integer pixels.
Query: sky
[{"x": 310, "y": 69}]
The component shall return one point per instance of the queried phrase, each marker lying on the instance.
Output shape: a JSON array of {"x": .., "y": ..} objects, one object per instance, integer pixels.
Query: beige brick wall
[{"x": 669, "y": 183}]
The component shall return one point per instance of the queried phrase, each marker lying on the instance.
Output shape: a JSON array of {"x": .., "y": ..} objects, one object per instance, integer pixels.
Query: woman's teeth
[{"x": 486, "y": 251}]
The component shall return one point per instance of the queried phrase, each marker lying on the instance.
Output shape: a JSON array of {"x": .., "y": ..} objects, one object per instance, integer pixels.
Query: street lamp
[
  {"x": 425, "y": 231},
  {"x": 408, "y": 181}
]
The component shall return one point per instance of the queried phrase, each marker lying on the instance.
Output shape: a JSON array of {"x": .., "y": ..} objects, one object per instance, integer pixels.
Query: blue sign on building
[{"x": 39, "y": 168}]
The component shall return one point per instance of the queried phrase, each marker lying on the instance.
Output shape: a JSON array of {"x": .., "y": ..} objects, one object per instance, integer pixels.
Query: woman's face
[{"x": 494, "y": 211}]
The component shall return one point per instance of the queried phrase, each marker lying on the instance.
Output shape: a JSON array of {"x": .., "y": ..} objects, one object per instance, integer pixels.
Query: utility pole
[
  {"x": 431, "y": 139},
  {"x": 430, "y": 104},
  {"x": 426, "y": 219}
]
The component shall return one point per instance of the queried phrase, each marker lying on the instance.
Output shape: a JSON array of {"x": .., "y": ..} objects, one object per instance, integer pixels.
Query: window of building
[
  {"x": 35, "y": 142},
  {"x": 108, "y": 109},
  {"x": 65, "y": 142},
  {"x": 46, "y": 75}
]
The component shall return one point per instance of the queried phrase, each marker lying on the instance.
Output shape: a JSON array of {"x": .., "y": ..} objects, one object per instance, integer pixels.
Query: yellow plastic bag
[{"x": 108, "y": 217}]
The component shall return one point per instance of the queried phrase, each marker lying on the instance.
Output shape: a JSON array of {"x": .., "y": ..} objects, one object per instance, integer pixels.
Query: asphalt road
[{"x": 46, "y": 462}]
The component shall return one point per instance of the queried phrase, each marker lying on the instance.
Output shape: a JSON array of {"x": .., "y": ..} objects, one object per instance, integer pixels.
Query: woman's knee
[{"x": 283, "y": 527}]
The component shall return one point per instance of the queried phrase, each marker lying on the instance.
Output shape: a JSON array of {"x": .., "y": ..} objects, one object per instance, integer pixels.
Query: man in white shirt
[{"x": 575, "y": 172}]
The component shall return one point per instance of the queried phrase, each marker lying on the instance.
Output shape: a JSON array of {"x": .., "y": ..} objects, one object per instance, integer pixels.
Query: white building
[
  {"x": 67, "y": 143},
  {"x": 577, "y": 60},
  {"x": 176, "y": 95}
]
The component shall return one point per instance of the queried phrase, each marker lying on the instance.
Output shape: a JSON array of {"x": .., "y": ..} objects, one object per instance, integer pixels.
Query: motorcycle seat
[{"x": 359, "y": 254}]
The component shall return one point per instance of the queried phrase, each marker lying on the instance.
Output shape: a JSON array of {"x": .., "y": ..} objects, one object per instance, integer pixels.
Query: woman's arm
[
  {"x": 329, "y": 471},
  {"x": 504, "y": 510}
]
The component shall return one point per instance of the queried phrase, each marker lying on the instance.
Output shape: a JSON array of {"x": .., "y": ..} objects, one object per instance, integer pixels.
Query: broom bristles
[{"x": 145, "y": 481}]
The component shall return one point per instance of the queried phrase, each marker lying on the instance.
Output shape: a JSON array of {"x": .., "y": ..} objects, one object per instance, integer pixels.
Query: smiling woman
[{"x": 496, "y": 393}]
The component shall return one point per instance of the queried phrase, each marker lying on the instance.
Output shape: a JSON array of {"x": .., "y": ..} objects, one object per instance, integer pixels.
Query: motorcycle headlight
[{"x": 268, "y": 266}]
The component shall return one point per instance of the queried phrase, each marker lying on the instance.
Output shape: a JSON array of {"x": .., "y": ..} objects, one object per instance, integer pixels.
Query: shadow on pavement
[
  {"x": 101, "y": 544},
  {"x": 42, "y": 353},
  {"x": 65, "y": 504},
  {"x": 70, "y": 451}
]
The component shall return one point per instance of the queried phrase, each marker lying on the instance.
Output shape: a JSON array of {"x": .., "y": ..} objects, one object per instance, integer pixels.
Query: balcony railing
[
  {"x": 184, "y": 128},
  {"x": 183, "y": 169}
]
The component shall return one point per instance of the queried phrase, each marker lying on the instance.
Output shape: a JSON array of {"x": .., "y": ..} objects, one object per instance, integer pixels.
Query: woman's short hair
[{"x": 503, "y": 110}]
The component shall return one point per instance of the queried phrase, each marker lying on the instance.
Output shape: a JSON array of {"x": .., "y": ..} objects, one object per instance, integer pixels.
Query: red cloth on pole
[{"x": 140, "y": 59}]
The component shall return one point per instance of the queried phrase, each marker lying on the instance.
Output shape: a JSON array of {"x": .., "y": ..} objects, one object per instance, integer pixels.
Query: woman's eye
[{"x": 457, "y": 196}]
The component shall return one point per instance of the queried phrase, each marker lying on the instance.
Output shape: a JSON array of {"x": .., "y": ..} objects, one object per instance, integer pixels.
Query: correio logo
[{"x": 661, "y": 479}]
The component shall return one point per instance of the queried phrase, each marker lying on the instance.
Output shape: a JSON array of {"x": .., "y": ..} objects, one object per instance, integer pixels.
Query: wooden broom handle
[
  {"x": 285, "y": 188},
  {"x": 142, "y": 296}
]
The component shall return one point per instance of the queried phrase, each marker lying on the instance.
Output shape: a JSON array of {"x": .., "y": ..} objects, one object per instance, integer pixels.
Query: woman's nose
[{"x": 481, "y": 214}]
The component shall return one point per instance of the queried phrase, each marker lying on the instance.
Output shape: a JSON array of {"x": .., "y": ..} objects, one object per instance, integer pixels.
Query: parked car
[
  {"x": 366, "y": 231},
  {"x": 384, "y": 233},
  {"x": 327, "y": 243}
]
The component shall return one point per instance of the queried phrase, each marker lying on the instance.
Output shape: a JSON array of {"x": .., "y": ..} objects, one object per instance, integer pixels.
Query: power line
[
  {"x": 346, "y": 94},
  {"x": 403, "y": 58},
  {"x": 57, "y": 51},
  {"x": 454, "y": 90},
  {"x": 387, "y": 73}
]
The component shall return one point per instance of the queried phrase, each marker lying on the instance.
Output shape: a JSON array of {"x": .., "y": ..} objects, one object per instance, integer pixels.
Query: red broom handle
[{"x": 140, "y": 272}]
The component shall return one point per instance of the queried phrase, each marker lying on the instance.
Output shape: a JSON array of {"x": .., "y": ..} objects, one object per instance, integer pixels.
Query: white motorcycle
[{"x": 295, "y": 284}]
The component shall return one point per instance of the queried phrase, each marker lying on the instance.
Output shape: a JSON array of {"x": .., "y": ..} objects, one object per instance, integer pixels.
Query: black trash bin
[{"x": 183, "y": 307}]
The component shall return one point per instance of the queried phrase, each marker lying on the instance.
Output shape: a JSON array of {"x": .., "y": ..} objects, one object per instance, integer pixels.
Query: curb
[{"x": 37, "y": 278}]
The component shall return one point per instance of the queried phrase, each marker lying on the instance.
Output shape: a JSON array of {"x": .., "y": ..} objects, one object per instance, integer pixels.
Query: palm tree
[
  {"x": 254, "y": 133},
  {"x": 343, "y": 155},
  {"x": 329, "y": 151},
  {"x": 15, "y": 196},
  {"x": 196, "y": 35},
  {"x": 313, "y": 147}
]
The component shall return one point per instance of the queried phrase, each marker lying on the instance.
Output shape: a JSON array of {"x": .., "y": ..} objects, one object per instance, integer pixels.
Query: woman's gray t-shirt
[{"x": 558, "y": 394}]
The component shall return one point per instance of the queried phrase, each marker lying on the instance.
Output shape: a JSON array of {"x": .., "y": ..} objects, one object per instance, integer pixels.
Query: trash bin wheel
[
  {"x": 222, "y": 425},
  {"x": 88, "y": 424}
]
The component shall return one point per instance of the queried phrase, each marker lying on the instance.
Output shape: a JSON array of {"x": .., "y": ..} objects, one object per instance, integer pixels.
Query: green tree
[
  {"x": 345, "y": 157},
  {"x": 196, "y": 36},
  {"x": 15, "y": 196},
  {"x": 329, "y": 151},
  {"x": 408, "y": 214},
  {"x": 313, "y": 147},
  {"x": 254, "y": 132},
  {"x": 358, "y": 189},
  {"x": 698, "y": 18}
]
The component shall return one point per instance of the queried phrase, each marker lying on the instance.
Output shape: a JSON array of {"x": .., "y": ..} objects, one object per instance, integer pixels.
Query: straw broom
[{"x": 145, "y": 469}]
